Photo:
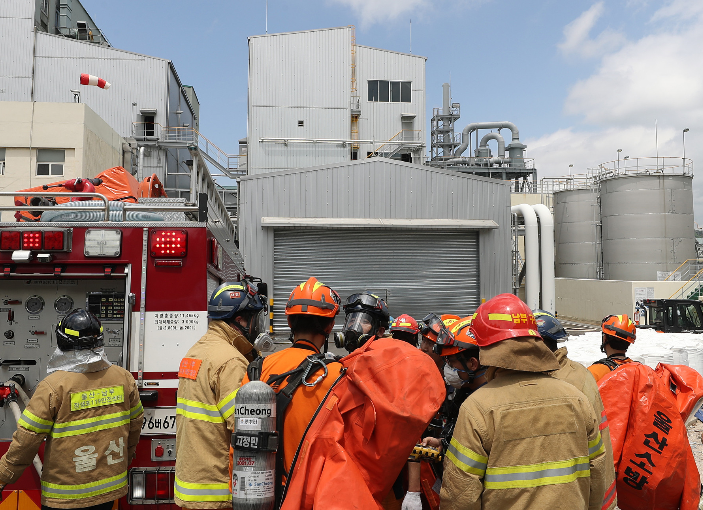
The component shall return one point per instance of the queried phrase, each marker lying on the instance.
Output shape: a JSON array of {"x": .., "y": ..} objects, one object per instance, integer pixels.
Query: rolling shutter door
[{"x": 416, "y": 271}]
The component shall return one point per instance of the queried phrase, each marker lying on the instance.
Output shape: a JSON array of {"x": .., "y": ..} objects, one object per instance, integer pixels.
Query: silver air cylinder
[{"x": 255, "y": 443}]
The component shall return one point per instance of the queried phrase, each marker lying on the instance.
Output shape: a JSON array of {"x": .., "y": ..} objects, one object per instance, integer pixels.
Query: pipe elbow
[{"x": 527, "y": 213}]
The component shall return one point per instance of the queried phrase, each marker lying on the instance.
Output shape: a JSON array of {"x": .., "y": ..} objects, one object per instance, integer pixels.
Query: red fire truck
[{"x": 146, "y": 271}]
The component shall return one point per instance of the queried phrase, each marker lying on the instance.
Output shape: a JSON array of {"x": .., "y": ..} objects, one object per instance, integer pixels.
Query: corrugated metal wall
[
  {"x": 16, "y": 40},
  {"x": 385, "y": 262},
  {"x": 299, "y": 76},
  {"x": 381, "y": 121},
  {"x": 377, "y": 188},
  {"x": 134, "y": 78}
]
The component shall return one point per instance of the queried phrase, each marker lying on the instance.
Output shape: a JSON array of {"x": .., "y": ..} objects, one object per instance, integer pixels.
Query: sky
[{"x": 580, "y": 79}]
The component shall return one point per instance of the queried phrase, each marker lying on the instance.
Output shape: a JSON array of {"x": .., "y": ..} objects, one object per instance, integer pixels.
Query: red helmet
[
  {"x": 503, "y": 317},
  {"x": 406, "y": 324},
  {"x": 620, "y": 327},
  {"x": 459, "y": 338},
  {"x": 313, "y": 298}
]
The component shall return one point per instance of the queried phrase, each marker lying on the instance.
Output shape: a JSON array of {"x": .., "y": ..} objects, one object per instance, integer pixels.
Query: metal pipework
[
  {"x": 498, "y": 138},
  {"x": 446, "y": 98},
  {"x": 531, "y": 254},
  {"x": 466, "y": 133},
  {"x": 546, "y": 247}
]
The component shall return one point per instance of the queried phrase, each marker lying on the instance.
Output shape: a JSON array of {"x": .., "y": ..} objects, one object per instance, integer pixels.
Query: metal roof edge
[
  {"x": 93, "y": 45},
  {"x": 391, "y": 51},
  {"x": 298, "y": 32},
  {"x": 415, "y": 166},
  {"x": 385, "y": 223}
]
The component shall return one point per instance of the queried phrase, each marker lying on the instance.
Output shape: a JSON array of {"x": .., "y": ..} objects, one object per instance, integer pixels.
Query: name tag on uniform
[
  {"x": 189, "y": 368},
  {"x": 97, "y": 398}
]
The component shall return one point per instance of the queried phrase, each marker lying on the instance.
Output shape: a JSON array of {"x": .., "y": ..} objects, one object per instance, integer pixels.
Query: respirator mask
[
  {"x": 452, "y": 377},
  {"x": 264, "y": 343},
  {"x": 358, "y": 328}
]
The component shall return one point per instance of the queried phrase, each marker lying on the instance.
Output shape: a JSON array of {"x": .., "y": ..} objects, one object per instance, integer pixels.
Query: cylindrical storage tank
[
  {"x": 647, "y": 225},
  {"x": 577, "y": 233}
]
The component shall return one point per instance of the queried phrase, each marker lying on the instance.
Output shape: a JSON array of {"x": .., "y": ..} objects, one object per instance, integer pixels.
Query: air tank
[
  {"x": 577, "y": 234},
  {"x": 647, "y": 225}
]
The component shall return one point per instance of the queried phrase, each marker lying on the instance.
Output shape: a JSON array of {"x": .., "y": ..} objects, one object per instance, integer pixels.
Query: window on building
[
  {"x": 301, "y": 123},
  {"x": 50, "y": 161},
  {"x": 45, "y": 6},
  {"x": 148, "y": 125},
  {"x": 2, "y": 161},
  {"x": 384, "y": 91}
]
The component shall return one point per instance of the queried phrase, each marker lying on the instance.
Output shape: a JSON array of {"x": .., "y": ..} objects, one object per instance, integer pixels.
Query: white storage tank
[
  {"x": 647, "y": 225},
  {"x": 577, "y": 233}
]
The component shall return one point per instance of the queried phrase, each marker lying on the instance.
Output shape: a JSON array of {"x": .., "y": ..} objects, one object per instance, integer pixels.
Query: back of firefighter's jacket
[
  {"x": 306, "y": 399},
  {"x": 208, "y": 380},
  {"x": 524, "y": 440},
  {"x": 576, "y": 374},
  {"x": 91, "y": 422}
]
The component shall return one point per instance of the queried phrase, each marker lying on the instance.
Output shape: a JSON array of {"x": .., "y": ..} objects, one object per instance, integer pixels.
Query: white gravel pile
[{"x": 649, "y": 348}]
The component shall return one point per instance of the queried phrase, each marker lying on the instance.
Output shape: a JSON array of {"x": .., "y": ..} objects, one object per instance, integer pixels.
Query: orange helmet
[
  {"x": 619, "y": 327},
  {"x": 459, "y": 338},
  {"x": 503, "y": 317},
  {"x": 432, "y": 324},
  {"x": 406, "y": 324},
  {"x": 313, "y": 298}
]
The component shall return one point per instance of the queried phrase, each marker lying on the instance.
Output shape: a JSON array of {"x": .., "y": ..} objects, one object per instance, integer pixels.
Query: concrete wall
[
  {"x": 592, "y": 300},
  {"x": 90, "y": 144}
]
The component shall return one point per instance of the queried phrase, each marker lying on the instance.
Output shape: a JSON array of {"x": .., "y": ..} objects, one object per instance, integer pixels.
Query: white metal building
[
  {"x": 428, "y": 240},
  {"x": 316, "y": 98}
]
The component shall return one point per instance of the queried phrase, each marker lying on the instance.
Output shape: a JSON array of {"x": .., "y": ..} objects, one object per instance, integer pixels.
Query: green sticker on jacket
[{"x": 96, "y": 398}]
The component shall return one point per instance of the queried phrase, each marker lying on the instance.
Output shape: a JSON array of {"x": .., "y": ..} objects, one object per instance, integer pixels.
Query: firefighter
[
  {"x": 208, "y": 379},
  {"x": 553, "y": 333},
  {"x": 405, "y": 328},
  {"x": 311, "y": 310},
  {"x": 464, "y": 373},
  {"x": 429, "y": 332},
  {"x": 91, "y": 416},
  {"x": 525, "y": 439},
  {"x": 366, "y": 318},
  {"x": 618, "y": 333}
]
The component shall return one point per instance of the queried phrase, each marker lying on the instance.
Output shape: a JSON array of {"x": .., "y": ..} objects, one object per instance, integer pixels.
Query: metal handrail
[
  {"x": 682, "y": 264},
  {"x": 689, "y": 281},
  {"x": 105, "y": 208}
]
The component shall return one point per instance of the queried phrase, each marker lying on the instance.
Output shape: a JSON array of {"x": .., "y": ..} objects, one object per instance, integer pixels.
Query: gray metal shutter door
[{"x": 417, "y": 272}]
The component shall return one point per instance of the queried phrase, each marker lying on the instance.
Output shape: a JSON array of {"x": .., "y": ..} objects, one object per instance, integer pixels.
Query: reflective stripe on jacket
[
  {"x": 205, "y": 416},
  {"x": 576, "y": 374},
  {"x": 91, "y": 422},
  {"x": 524, "y": 440}
]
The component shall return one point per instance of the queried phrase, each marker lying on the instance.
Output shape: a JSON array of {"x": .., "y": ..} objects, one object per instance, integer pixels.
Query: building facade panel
[
  {"x": 347, "y": 191},
  {"x": 381, "y": 120},
  {"x": 16, "y": 39},
  {"x": 134, "y": 78}
]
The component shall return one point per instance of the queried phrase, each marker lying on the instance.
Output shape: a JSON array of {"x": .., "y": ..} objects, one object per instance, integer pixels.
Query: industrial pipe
[
  {"x": 466, "y": 133},
  {"x": 141, "y": 173},
  {"x": 498, "y": 138},
  {"x": 546, "y": 230},
  {"x": 531, "y": 254}
]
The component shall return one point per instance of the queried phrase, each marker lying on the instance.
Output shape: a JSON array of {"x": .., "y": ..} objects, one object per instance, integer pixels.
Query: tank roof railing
[{"x": 651, "y": 165}]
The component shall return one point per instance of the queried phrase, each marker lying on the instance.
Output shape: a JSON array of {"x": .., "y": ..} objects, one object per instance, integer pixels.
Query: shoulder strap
[
  {"x": 608, "y": 362},
  {"x": 254, "y": 368}
]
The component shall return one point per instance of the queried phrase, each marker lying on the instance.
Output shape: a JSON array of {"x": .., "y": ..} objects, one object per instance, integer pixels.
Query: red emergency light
[
  {"x": 53, "y": 240},
  {"x": 31, "y": 240},
  {"x": 10, "y": 240},
  {"x": 168, "y": 243}
]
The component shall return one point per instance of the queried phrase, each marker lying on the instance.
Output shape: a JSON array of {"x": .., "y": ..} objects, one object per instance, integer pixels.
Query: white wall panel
[
  {"x": 16, "y": 40},
  {"x": 133, "y": 78}
]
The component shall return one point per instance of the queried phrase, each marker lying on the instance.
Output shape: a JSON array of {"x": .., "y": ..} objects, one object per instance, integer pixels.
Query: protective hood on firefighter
[
  {"x": 524, "y": 354},
  {"x": 82, "y": 361}
]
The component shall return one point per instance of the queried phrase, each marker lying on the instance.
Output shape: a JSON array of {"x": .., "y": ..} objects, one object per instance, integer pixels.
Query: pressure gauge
[
  {"x": 34, "y": 304},
  {"x": 63, "y": 304}
]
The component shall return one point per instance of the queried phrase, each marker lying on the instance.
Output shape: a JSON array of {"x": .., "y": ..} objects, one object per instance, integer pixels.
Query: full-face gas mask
[{"x": 358, "y": 328}]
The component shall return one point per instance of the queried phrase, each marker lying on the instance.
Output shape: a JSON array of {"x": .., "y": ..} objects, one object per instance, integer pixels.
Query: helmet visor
[
  {"x": 431, "y": 325},
  {"x": 363, "y": 299},
  {"x": 361, "y": 322}
]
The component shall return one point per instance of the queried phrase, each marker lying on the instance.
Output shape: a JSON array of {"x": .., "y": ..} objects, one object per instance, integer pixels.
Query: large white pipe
[
  {"x": 531, "y": 254},
  {"x": 546, "y": 228}
]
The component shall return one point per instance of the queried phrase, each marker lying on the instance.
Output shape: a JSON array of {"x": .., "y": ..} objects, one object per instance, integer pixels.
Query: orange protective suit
[
  {"x": 654, "y": 463},
  {"x": 365, "y": 429}
]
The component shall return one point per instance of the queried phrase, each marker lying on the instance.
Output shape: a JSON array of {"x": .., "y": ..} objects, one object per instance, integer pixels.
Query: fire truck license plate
[{"x": 159, "y": 421}]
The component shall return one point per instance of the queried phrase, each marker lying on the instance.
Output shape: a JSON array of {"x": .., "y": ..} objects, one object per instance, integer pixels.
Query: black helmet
[
  {"x": 80, "y": 329},
  {"x": 549, "y": 327},
  {"x": 233, "y": 298},
  {"x": 371, "y": 304}
]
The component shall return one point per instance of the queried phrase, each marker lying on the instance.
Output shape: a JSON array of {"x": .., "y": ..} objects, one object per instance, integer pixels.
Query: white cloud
[
  {"x": 376, "y": 11},
  {"x": 577, "y": 35},
  {"x": 659, "y": 76}
]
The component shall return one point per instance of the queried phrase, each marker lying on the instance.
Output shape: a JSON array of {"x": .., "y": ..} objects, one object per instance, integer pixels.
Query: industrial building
[
  {"x": 317, "y": 97},
  {"x": 426, "y": 239}
]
